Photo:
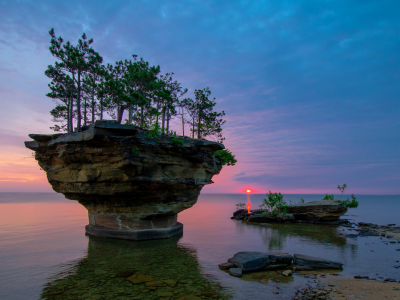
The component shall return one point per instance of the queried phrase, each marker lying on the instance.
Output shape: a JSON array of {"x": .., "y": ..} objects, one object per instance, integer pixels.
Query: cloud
[{"x": 305, "y": 85}]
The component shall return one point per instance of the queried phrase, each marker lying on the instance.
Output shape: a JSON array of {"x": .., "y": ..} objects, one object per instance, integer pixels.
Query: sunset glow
[{"x": 248, "y": 191}]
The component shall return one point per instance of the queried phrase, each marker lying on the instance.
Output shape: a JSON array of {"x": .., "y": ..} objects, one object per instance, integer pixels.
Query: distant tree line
[{"x": 85, "y": 90}]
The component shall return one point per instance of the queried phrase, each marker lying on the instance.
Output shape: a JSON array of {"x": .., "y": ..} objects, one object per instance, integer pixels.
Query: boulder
[
  {"x": 287, "y": 273},
  {"x": 133, "y": 186},
  {"x": 239, "y": 214},
  {"x": 315, "y": 262},
  {"x": 237, "y": 272},
  {"x": 323, "y": 210},
  {"x": 250, "y": 261}
]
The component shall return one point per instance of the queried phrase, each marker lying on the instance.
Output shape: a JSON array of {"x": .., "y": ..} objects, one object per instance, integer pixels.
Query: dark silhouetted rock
[{"x": 250, "y": 261}]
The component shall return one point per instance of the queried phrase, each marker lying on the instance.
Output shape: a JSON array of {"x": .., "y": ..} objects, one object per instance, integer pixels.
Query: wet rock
[
  {"x": 276, "y": 258},
  {"x": 189, "y": 297},
  {"x": 287, "y": 273},
  {"x": 226, "y": 266},
  {"x": 250, "y": 261},
  {"x": 237, "y": 272},
  {"x": 316, "y": 262},
  {"x": 239, "y": 214},
  {"x": 171, "y": 282},
  {"x": 165, "y": 294},
  {"x": 139, "y": 278},
  {"x": 124, "y": 274},
  {"x": 276, "y": 292},
  {"x": 322, "y": 211},
  {"x": 154, "y": 283}
]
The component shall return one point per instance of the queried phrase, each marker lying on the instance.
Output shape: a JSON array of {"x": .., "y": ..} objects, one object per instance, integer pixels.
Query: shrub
[
  {"x": 177, "y": 141},
  {"x": 275, "y": 203},
  {"x": 225, "y": 157},
  {"x": 329, "y": 197},
  {"x": 135, "y": 151},
  {"x": 350, "y": 204},
  {"x": 240, "y": 206}
]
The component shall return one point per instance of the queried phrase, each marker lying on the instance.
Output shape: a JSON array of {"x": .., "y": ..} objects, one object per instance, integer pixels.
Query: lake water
[{"x": 44, "y": 252}]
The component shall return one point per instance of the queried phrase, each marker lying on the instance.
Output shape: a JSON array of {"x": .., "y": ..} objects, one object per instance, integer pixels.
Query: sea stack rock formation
[{"x": 132, "y": 185}]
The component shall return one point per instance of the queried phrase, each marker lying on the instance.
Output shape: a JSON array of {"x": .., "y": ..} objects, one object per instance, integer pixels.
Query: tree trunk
[
  {"x": 84, "y": 111},
  {"x": 130, "y": 114},
  {"x": 92, "y": 104},
  {"x": 71, "y": 115},
  {"x": 167, "y": 119},
  {"x": 163, "y": 121},
  {"x": 101, "y": 108},
  {"x": 68, "y": 105},
  {"x": 183, "y": 123},
  {"x": 141, "y": 116},
  {"x": 120, "y": 113},
  {"x": 78, "y": 103}
]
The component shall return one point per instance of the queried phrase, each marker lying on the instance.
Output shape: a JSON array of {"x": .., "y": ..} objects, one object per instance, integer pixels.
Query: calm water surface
[{"x": 44, "y": 252}]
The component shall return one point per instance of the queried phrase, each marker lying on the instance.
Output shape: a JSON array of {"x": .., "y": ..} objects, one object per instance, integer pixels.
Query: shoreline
[{"x": 336, "y": 287}]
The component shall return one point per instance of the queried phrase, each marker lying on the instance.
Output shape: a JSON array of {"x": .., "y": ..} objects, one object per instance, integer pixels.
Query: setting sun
[{"x": 248, "y": 191}]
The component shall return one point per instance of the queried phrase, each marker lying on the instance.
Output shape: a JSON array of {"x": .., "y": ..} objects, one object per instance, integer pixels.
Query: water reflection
[
  {"x": 277, "y": 236},
  {"x": 102, "y": 273}
]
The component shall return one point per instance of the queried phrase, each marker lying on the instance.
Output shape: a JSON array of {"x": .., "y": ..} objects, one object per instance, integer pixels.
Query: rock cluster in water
[
  {"x": 323, "y": 211},
  {"x": 133, "y": 186},
  {"x": 263, "y": 261}
]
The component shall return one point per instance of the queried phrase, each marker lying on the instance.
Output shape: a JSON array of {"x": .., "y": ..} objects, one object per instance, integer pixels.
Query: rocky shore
[{"x": 319, "y": 212}]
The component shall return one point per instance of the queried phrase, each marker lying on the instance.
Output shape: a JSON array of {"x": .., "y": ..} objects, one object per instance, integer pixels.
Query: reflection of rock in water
[
  {"x": 276, "y": 235},
  {"x": 102, "y": 274}
]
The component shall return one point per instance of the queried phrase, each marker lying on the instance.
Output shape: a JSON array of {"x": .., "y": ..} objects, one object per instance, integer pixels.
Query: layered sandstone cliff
[{"x": 126, "y": 180}]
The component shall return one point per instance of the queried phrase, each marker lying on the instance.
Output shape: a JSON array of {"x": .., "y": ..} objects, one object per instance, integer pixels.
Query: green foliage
[
  {"x": 353, "y": 203},
  {"x": 154, "y": 132},
  {"x": 135, "y": 151},
  {"x": 225, "y": 157},
  {"x": 302, "y": 200},
  {"x": 275, "y": 203},
  {"x": 329, "y": 197},
  {"x": 177, "y": 141},
  {"x": 240, "y": 206},
  {"x": 342, "y": 188}
]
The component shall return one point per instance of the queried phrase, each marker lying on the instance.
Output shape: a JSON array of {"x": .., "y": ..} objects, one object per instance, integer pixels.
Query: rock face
[
  {"x": 322, "y": 211},
  {"x": 132, "y": 186}
]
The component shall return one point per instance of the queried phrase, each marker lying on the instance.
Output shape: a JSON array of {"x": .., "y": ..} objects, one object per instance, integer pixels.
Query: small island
[{"x": 133, "y": 177}]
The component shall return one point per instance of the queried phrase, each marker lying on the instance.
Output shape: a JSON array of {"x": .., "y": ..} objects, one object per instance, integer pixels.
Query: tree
[
  {"x": 204, "y": 120},
  {"x": 75, "y": 61}
]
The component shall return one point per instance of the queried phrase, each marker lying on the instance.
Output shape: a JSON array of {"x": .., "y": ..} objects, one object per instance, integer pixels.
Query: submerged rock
[
  {"x": 323, "y": 210},
  {"x": 237, "y": 272},
  {"x": 132, "y": 186},
  {"x": 226, "y": 266},
  {"x": 315, "y": 262}
]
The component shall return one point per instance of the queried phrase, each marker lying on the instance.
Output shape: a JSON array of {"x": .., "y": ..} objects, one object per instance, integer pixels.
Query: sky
[{"x": 310, "y": 88}]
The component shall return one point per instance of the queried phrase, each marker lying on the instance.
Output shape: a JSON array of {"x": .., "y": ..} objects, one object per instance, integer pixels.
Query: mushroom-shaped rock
[{"x": 133, "y": 186}]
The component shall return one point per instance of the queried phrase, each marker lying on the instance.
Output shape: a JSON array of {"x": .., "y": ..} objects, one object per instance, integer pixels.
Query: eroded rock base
[{"x": 137, "y": 235}]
